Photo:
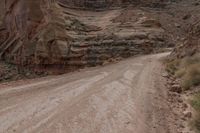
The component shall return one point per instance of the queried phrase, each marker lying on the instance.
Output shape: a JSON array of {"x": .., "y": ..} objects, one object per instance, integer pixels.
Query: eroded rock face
[
  {"x": 45, "y": 34},
  {"x": 96, "y": 4},
  {"x": 191, "y": 43},
  {"x": 34, "y": 32},
  {"x": 2, "y": 10}
]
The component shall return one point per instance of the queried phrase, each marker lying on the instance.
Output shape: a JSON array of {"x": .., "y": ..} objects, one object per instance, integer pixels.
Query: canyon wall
[{"x": 43, "y": 34}]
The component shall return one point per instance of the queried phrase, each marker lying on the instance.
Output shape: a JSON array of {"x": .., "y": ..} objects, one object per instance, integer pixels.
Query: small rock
[
  {"x": 180, "y": 100},
  {"x": 165, "y": 75},
  {"x": 187, "y": 16},
  {"x": 7, "y": 77},
  {"x": 177, "y": 80},
  {"x": 28, "y": 74},
  {"x": 177, "y": 25},
  {"x": 176, "y": 88},
  {"x": 172, "y": 78},
  {"x": 187, "y": 114},
  {"x": 183, "y": 118},
  {"x": 181, "y": 126},
  {"x": 174, "y": 82},
  {"x": 185, "y": 105}
]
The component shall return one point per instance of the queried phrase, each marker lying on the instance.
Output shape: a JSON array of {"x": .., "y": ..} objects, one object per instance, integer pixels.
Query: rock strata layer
[{"x": 47, "y": 34}]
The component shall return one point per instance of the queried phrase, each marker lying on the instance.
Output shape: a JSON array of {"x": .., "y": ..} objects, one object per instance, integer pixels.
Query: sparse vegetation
[
  {"x": 196, "y": 104},
  {"x": 188, "y": 69},
  {"x": 172, "y": 66},
  {"x": 179, "y": 73},
  {"x": 191, "y": 77},
  {"x": 10, "y": 72}
]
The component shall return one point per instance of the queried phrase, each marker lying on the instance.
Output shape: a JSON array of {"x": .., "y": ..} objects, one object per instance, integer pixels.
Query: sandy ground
[{"x": 126, "y": 97}]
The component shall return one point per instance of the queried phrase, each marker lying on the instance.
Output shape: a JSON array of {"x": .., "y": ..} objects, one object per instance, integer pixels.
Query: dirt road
[{"x": 126, "y": 97}]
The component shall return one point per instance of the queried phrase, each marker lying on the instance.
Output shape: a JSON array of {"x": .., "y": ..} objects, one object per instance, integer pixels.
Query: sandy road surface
[{"x": 126, "y": 97}]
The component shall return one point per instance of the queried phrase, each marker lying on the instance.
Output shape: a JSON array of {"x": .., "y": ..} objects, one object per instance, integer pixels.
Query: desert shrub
[
  {"x": 195, "y": 124},
  {"x": 188, "y": 69},
  {"x": 195, "y": 102},
  {"x": 191, "y": 60},
  {"x": 172, "y": 66},
  {"x": 180, "y": 73},
  {"x": 191, "y": 76}
]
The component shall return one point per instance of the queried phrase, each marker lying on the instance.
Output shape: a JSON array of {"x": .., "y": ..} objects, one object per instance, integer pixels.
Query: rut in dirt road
[{"x": 125, "y": 97}]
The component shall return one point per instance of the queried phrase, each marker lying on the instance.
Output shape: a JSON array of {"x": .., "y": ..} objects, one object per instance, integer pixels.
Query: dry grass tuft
[
  {"x": 191, "y": 77},
  {"x": 180, "y": 73},
  {"x": 196, "y": 105},
  {"x": 172, "y": 66},
  {"x": 188, "y": 69}
]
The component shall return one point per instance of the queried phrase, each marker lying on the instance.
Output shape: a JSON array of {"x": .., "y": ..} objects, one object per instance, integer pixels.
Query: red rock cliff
[{"x": 45, "y": 33}]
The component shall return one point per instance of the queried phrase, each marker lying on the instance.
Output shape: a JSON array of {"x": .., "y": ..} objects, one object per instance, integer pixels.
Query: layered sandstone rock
[
  {"x": 191, "y": 43},
  {"x": 34, "y": 32},
  {"x": 96, "y": 4},
  {"x": 46, "y": 34}
]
